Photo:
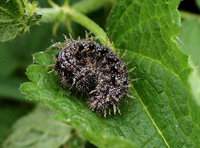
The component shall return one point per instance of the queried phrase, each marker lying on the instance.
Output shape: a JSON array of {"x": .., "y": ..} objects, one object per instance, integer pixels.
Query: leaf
[
  {"x": 46, "y": 88},
  {"x": 147, "y": 30},
  {"x": 198, "y": 3},
  {"x": 10, "y": 88},
  {"x": 16, "y": 55},
  {"x": 10, "y": 111},
  {"x": 190, "y": 44},
  {"x": 38, "y": 129},
  {"x": 190, "y": 39},
  {"x": 14, "y": 19}
]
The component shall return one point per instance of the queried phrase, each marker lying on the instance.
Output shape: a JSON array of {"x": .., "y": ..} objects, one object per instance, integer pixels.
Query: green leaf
[
  {"x": 190, "y": 39},
  {"x": 10, "y": 88},
  {"x": 14, "y": 19},
  {"x": 190, "y": 44},
  {"x": 10, "y": 111},
  {"x": 198, "y": 3},
  {"x": 38, "y": 129},
  {"x": 166, "y": 90},
  {"x": 46, "y": 88}
]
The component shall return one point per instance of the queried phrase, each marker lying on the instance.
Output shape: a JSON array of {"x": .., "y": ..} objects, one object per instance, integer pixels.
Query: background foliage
[{"x": 166, "y": 111}]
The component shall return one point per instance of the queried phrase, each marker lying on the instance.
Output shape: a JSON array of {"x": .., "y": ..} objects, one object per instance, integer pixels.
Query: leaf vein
[
  {"x": 151, "y": 118},
  {"x": 156, "y": 61}
]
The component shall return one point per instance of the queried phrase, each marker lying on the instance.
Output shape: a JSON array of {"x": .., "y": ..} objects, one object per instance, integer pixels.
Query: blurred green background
[{"x": 16, "y": 55}]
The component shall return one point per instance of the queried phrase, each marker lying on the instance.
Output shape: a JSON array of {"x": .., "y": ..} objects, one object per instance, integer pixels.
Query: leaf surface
[
  {"x": 189, "y": 43},
  {"x": 14, "y": 19},
  {"x": 10, "y": 111},
  {"x": 38, "y": 129},
  {"x": 190, "y": 39},
  {"x": 166, "y": 91}
]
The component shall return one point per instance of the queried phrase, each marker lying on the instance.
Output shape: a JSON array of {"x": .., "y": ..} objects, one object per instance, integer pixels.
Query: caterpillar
[{"x": 94, "y": 69}]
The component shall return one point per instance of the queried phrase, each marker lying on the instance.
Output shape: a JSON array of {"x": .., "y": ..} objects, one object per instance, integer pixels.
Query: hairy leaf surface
[
  {"x": 147, "y": 30},
  {"x": 14, "y": 19}
]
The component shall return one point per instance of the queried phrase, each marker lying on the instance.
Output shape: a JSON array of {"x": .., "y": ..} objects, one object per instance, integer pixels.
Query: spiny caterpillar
[{"x": 95, "y": 69}]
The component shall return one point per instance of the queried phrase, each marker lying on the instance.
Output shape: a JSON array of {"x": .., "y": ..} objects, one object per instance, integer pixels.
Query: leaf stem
[
  {"x": 60, "y": 14},
  {"x": 76, "y": 13},
  {"x": 89, "y": 24},
  {"x": 86, "y": 6}
]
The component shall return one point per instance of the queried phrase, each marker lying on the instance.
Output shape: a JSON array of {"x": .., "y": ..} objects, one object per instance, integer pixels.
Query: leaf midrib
[
  {"x": 145, "y": 108},
  {"x": 149, "y": 115}
]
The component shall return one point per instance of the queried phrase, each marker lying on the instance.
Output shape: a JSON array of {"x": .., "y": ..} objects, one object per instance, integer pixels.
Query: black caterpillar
[{"x": 93, "y": 69}]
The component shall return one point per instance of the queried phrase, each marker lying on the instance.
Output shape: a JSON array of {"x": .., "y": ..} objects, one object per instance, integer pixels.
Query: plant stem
[
  {"x": 59, "y": 14},
  {"x": 54, "y": 14},
  {"x": 86, "y": 6},
  {"x": 188, "y": 15},
  {"x": 89, "y": 24}
]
